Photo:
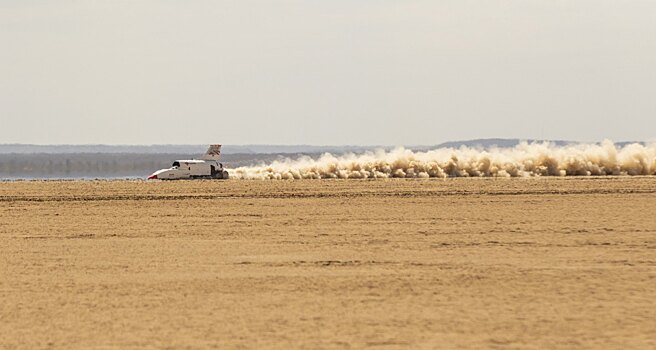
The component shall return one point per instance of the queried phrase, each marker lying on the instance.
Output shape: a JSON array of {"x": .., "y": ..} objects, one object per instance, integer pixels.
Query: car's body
[{"x": 208, "y": 167}]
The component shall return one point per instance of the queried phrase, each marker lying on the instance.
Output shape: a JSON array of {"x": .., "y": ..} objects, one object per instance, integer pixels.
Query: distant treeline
[{"x": 107, "y": 165}]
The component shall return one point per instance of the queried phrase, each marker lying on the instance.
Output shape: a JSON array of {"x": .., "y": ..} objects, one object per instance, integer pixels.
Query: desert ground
[{"x": 528, "y": 263}]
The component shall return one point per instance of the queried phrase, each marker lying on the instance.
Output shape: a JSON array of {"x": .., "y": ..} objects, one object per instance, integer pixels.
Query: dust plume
[{"x": 524, "y": 160}]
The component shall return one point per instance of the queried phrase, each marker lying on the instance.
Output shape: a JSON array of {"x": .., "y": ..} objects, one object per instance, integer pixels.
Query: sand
[{"x": 538, "y": 263}]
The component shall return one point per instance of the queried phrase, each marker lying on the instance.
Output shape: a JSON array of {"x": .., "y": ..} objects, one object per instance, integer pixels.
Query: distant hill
[
  {"x": 76, "y": 149},
  {"x": 192, "y": 150},
  {"x": 178, "y": 149},
  {"x": 508, "y": 143},
  {"x": 501, "y": 143}
]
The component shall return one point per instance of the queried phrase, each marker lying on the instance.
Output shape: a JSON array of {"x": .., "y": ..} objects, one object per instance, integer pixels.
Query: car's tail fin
[{"x": 213, "y": 153}]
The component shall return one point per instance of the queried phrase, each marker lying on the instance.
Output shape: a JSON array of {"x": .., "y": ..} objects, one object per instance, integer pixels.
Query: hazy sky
[{"x": 325, "y": 72}]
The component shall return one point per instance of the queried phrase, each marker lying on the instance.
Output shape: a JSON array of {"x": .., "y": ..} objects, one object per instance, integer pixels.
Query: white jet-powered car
[{"x": 207, "y": 167}]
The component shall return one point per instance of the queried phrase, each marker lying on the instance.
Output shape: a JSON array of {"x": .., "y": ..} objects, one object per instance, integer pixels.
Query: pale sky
[{"x": 325, "y": 72}]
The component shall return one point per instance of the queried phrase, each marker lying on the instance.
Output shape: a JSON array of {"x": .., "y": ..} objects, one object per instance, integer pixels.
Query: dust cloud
[{"x": 524, "y": 160}]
